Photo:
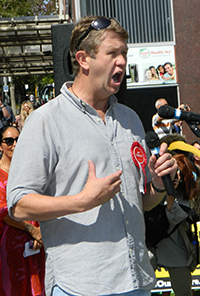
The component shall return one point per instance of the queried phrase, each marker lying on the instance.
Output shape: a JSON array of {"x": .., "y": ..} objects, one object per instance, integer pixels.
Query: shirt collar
[{"x": 82, "y": 105}]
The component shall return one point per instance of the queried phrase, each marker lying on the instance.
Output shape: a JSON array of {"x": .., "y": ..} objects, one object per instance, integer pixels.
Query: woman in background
[
  {"x": 19, "y": 275},
  {"x": 26, "y": 109}
]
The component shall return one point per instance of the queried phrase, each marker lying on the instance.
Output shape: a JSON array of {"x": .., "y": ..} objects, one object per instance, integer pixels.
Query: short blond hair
[{"x": 91, "y": 43}]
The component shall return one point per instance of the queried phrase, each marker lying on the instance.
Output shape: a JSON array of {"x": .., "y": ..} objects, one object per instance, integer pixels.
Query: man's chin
[{"x": 115, "y": 89}]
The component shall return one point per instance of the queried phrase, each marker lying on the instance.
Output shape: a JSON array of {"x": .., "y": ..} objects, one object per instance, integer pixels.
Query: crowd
[
  {"x": 78, "y": 176},
  {"x": 22, "y": 257},
  {"x": 174, "y": 252}
]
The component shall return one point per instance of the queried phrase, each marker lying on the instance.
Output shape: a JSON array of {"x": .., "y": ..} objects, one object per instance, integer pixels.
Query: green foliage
[
  {"x": 17, "y": 8},
  {"x": 31, "y": 81},
  {"x": 21, "y": 8},
  {"x": 48, "y": 79}
]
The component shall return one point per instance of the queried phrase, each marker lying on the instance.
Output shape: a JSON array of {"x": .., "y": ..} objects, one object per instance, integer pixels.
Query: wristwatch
[{"x": 3, "y": 106}]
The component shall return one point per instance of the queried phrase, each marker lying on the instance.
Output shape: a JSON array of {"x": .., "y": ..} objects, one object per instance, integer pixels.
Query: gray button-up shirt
[{"x": 101, "y": 251}]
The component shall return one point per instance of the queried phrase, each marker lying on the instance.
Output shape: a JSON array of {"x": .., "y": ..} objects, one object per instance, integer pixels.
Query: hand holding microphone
[{"x": 153, "y": 143}]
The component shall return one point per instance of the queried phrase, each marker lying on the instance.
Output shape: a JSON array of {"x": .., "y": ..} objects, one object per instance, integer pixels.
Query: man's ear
[{"x": 81, "y": 57}]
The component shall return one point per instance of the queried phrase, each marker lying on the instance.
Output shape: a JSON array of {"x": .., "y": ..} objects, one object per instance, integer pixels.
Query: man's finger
[
  {"x": 115, "y": 177},
  {"x": 91, "y": 169}
]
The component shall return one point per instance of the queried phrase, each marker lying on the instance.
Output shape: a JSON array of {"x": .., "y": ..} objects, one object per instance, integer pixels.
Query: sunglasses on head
[
  {"x": 97, "y": 24},
  {"x": 9, "y": 141}
]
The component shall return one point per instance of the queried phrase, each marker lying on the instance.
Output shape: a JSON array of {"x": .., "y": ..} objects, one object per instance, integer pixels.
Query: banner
[
  {"x": 164, "y": 284},
  {"x": 153, "y": 65}
]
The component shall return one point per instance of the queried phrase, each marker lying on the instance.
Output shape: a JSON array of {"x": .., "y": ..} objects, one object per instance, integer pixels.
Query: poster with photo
[{"x": 153, "y": 65}]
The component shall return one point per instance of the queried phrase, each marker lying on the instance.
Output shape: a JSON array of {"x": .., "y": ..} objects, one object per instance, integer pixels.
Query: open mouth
[{"x": 117, "y": 77}]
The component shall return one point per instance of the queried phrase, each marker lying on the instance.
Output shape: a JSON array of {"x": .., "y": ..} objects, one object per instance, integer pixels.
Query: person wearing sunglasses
[
  {"x": 87, "y": 175},
  {"x": 19, "y": 275}
]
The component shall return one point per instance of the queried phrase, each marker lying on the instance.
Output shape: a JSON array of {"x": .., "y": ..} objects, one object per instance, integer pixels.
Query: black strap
[{"x": 197, "y": 242}]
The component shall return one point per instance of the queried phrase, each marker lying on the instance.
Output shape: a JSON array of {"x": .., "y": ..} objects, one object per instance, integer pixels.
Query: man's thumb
[{"x": 91, "y": 169}]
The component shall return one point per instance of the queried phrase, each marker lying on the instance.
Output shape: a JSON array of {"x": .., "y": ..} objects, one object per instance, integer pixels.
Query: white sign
[{"x": 145, "y": 66}]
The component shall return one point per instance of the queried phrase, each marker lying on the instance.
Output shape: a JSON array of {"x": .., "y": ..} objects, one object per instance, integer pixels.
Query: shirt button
[
  {"x": 98, "y": 119},
  {"x": 127, "y": 222},
  {"x": 118, "y": 168},
  {"x": 83, "y": 103}
]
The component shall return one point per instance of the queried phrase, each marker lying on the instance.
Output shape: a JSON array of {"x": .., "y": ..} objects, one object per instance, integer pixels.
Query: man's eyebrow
[{"x": 113, "y": 46}]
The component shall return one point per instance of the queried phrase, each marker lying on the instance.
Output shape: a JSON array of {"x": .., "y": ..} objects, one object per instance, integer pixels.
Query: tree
[
  {"x": 23, "y": 8},
  {"x": 17, "y": 8},
  {"x": 32, "y": 81}
]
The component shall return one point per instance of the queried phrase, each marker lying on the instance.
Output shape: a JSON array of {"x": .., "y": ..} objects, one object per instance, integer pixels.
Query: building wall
[{"x": 187, "y": 34}]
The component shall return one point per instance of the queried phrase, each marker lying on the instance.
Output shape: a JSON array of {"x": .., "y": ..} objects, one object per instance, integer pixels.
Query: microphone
[
  {"x": 168, "y": 112},
  {"x": 153, "y": 142}
]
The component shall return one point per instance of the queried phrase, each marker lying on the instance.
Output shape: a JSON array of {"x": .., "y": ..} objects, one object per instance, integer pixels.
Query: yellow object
[{"x": 180, "y": 145}]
